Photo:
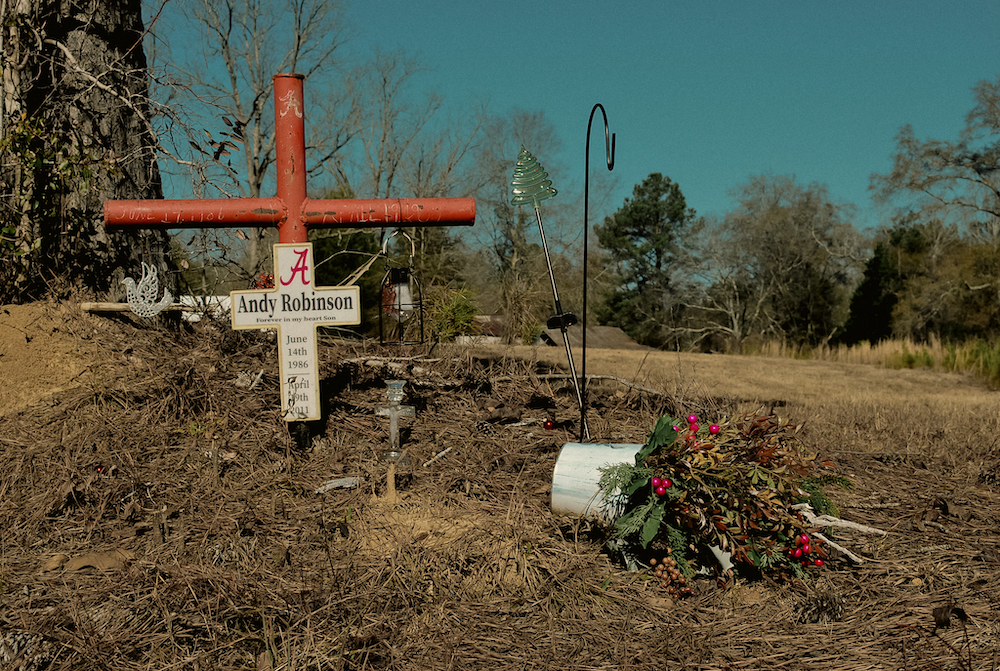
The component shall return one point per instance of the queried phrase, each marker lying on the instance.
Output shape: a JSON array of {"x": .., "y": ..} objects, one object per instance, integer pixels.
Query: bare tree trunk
[{"x": 75, "y": 93}]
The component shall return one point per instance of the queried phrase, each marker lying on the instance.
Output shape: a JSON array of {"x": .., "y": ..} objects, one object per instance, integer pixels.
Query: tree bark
[{"x": 75, "y": 73}]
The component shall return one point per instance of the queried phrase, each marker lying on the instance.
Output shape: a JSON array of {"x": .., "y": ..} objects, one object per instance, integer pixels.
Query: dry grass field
[
  {"x": 158, "y": 515},
  {"x": 847, "y": 408}
]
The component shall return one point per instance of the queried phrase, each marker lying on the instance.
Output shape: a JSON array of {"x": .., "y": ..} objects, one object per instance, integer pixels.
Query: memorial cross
[{"x": 295, "y": 306}]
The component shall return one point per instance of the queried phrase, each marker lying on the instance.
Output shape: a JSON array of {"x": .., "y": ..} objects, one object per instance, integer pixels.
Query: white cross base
[{"x": 295, "y": 306}]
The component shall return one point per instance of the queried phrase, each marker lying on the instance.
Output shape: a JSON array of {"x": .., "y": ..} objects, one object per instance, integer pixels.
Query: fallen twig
[{"x": 437, "y": 456}]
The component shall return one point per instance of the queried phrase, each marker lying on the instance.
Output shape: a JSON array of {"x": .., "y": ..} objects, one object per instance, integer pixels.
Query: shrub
[{"x": 452, "y": 313}]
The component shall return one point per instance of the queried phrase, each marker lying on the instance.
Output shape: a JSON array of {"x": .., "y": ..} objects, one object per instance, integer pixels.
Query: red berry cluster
[
  {"x": 666, "y": 570},
  {"x": 693, "y": 428},
  {"x": 660, "y": 486},
  {"x": 266, "y": 281},
  {"x": 803, "y": 548}
]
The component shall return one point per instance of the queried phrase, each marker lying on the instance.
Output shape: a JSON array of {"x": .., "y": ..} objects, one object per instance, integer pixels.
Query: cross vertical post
[{"x": 290, "y": 155}]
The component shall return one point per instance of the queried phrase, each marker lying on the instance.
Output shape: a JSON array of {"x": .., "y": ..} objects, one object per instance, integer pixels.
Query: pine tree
[{"x": 643, "y": 240}]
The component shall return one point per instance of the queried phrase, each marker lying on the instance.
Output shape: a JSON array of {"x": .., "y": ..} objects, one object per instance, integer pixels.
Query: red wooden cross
[{"x": 291, "y": 210}]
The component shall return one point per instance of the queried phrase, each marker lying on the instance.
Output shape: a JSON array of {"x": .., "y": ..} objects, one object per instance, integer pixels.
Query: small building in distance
[{"x": 598, "y": 337}]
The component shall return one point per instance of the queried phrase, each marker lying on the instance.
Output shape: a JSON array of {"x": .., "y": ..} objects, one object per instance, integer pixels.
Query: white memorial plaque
[{"x": 295, "y": 307}]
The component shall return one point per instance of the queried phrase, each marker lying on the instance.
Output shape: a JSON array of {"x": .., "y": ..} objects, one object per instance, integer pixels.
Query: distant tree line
[{"x": 788, "y": 264}]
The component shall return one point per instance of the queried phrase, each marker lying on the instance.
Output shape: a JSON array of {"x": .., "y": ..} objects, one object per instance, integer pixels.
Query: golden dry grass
[
  {"x": 848, "y": 407},
  {"x": 766, "y": 379}
]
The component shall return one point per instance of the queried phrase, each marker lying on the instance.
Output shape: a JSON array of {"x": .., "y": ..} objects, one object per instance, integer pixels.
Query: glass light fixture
[
  {"x": 397, "y": 299},
  {"x": 401, "y": 317}
]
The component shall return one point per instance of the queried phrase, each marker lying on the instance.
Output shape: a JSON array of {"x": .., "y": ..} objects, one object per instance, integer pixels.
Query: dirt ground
[
  {"x": 39, "y": 354},
  {"x": 155, "y": 513}
]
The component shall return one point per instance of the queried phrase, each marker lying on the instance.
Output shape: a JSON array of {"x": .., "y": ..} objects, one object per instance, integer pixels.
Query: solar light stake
[
  {"x": 565, "y": 320},
  {"x": 531, "y": 185}
]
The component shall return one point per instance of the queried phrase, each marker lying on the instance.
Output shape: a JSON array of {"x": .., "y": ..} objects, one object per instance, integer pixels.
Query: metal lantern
[{"x": 402, "y": 300}]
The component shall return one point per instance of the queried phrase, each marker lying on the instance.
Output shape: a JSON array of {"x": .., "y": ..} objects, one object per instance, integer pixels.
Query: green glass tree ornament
[
  {"x": 531, "y": 183},
  {"x": 531, "y": 186}
]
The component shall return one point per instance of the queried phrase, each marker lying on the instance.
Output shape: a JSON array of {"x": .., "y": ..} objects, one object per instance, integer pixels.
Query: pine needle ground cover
[{"x": 156, "y": 514}]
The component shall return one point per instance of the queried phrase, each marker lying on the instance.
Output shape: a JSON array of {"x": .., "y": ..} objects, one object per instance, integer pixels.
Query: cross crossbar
[{"x": 291, "y": 210}]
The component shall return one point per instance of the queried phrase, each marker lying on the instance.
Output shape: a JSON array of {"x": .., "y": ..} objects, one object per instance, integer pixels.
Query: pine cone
[
  {"x": 25, "y": 651},
  {"x": 823, "y": 607}
]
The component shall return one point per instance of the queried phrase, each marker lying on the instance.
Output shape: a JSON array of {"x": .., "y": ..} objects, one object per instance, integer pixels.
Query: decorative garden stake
[
  {"x": 609, "y": 150},
  {"x": 532, "y": 185},
  {"x": 142, "y": 296},
  {"x": 394, "y": 411}
]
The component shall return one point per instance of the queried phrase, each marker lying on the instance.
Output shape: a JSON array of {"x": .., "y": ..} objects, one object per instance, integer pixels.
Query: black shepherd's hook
[{"x": 609, "y": 149}]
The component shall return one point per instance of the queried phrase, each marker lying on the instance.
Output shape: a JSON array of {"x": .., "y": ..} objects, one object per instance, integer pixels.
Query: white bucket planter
[
  {"x": 575, "y": 489},
  {"x": 577, "y": 472}
]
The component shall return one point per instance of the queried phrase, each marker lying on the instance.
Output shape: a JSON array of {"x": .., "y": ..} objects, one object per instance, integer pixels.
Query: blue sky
[{"x": 707, "y": 93}]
